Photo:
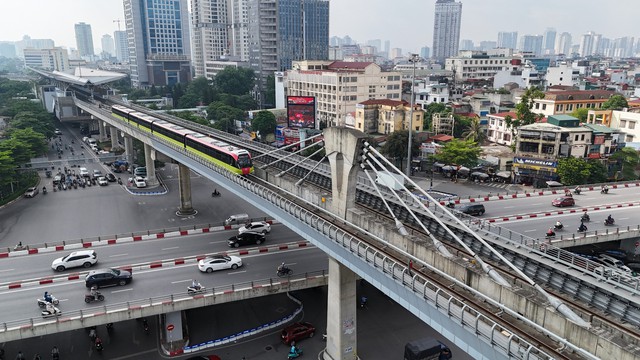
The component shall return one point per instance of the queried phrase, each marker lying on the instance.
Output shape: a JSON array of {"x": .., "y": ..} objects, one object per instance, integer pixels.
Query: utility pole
[{"x": 414, "y": 58}]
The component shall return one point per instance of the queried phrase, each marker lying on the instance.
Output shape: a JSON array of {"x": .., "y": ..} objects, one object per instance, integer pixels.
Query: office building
[
  {"x": 586, "y": 44},
  {"x": 56, "y": 59},
  {"x": 425, "y": 52},
  {"x": 446, "y": 29},
  {"x": 283, "y": 31},
  {"x": 7, "y": 49},
  {"x": 121, "y": 46},
  {"x": 84, "y": 39},
  {"x": 466, "y": 44},
  {"x": 508, "y": 40},
  {"x": 563, "y": 44},
  {"x": 220, "y": 31},
  {"x": 532, "y": 44},
  {"x": 28, "y": 42},
  {"x": 107, "y": 46},
  {"x": 487, "y": 45},
  {"x": 549, "y": 41},
  {"x": 159, "y": 42},
  {"x": 479, "y": 65}
]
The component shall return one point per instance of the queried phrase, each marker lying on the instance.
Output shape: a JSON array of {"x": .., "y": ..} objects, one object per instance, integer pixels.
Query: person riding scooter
[
  {"x": 604, "y": 190},
  {"x": 558, "y": 225},
  {"x": 195, "y": 285},
  {"x": 47, "y": 297},
  {"x": 582, "y": 227},
  {"x": 451, "y": 204},
  {"x": 550, "y": 232},
  {"x": 609, "y": 220},
  {"x": 577, "y": 190},
  {"x": 585, "y": 217}
]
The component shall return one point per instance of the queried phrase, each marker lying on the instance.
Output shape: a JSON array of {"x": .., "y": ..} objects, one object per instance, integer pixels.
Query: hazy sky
[{"x": 408, "y": 24}]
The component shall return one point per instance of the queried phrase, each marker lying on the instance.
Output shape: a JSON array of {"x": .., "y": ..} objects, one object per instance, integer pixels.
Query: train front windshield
[{"x": 244, "y": 161}]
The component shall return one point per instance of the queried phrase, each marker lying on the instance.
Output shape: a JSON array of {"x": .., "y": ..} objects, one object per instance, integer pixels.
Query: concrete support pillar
[
  {"x": 103, "y": 131},
  {"x": 184, "y": 181},
  {"x": 343, "y": 150},
  {"x": 114, "y": 137},
  {"x": 342, "y": 335},
  {"x": 149, "y": 157},
  {"x": 128, "y": 148}
]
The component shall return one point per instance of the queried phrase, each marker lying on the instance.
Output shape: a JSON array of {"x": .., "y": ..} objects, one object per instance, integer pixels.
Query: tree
[
  {"x": 573, "y": 171},
  {"x": 219, "y": 110},
  {"x": 269, "y": 98},
  {"x": 524, "y": 115},
  {"x": 189, "y": 116},
  {"x": 628, "y": 159},
  {"x": 597, "y": 171},
  {"x": 34, "y": 140},
  {"x": 264, "y": 122},
  {"x": 7, "y": 167},
  {"x": 615, "y": 102},
  {"x": 433, "y": 108},
  {"x": 397, "y": 144},
  {"x": 225, "y": 124},
  {"x": 236, "y": 81},
  {"x": 20, "y": 152},
  {"x": 475, "y": 131},
  {"x": 461, "y": 125},
  {"x": 580, "y": 113},
  {"x": 461, "y": 152}
]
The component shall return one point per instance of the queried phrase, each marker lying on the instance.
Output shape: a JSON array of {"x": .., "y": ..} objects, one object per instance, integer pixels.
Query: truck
[
  {"x": 426, "y": 349},
  {"x": 388, "y": 179}
]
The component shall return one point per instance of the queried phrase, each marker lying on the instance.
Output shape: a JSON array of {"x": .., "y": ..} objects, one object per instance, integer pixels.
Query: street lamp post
[{"x": 413, "y": 59}]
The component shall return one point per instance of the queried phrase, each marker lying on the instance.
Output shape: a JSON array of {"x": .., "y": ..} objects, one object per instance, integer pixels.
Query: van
[
  {"x": 237, "y": 219},
  {"x": 472, "y": 209},
  {"x": 92, "y": 142},
  {"x": 426, "y": 349}
]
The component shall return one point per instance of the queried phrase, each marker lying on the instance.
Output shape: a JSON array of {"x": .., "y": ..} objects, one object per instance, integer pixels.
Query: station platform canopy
[{"x": 82, "y": 76}]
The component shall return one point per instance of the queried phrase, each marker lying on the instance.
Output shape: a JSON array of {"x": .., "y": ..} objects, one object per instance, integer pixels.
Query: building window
[
  {"x": 544, "y": 107},
  {"x": 582, "y": 137},
  {"x": 623, "y": 123},
  {"x": 537, "y": 106},
  {"x": 576, "y": 137},
  {"x": 632, "y": 125}
]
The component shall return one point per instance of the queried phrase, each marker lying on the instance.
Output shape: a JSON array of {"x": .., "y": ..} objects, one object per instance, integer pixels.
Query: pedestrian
[{"x": 410, "y": 266}]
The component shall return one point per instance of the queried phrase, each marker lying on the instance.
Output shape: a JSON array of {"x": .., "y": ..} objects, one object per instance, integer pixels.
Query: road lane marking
[
  {"x": 181, "y": 281},
  {"x": 237, "y": 272},
  {"x": 171, "y": 248},
  {"x": 508, "y": 207},
  {"x": 532, "y": 230},
  {"x": 7, "y": 270},
  {"x": 117, "y": 291},
  {"x": 118, "y": 255}
]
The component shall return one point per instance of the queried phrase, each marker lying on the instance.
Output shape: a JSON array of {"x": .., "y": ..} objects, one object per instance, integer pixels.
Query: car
[
  {"x": 84, "y": 258},
  {"x": 219, "y": 262},
  {"x": 297, "y": 331},
  {"x": 84, "y": 172},
  {"x": 563, "y": 201},
  {"x": 31, "y": 192},
  {"x": 472, "y": 209},
  {"x": 110, "y": 177},
  {"x": 102, "y": 181},
  {"x": 84, "y": 139},
  {"x": 140, "y": 182},
  {"x": 57, "y": 132},
  {"x": 204, "y": 357},
  {"x": 246, "y": 238},
  {"x": 613, "y": 263},
  {"x": 140, "y": 171},
  {"x": 107, "y": 277},
  {"x": 97, "y": 173},
  {"x": 262, "y": 227}
]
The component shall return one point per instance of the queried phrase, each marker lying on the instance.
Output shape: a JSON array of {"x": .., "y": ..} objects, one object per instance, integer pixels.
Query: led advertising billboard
[{"x": 301, "y": 111}]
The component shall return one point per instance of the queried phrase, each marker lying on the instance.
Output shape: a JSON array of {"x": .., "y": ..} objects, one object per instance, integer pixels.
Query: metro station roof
[{"x": 83, "y": 76}]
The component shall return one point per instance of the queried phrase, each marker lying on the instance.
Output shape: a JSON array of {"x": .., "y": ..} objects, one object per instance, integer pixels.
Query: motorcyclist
[
  {"x": 282, "y": 267},
  {"x": 294, "y": 349},
  {"x": 47, "y": 297},
  {"x": 94, "y": 292},
  {"x": 55, "y": 353},
  {"x": 550, "y": 232},
  {"x": 558, "y": 225},
  {"x": 610, "y": 219},
  {"x": 451, "y": 203},
  {"x": 44, "y": 189},
  {"x": 50, "y": 308},
  {"x": 568, "y": 193},
  {"x": 195, "y": 285},
  {"x": 363, "y": 301},
  {"x": 582, "y": 227},
  {"x": 577, "y": 190},
  {"x": 585, "y": 216}
]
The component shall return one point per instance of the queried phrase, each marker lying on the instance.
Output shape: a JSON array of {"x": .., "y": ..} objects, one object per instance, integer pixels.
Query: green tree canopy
[
  {"x": 615, "y": 102},
  {"x": 580, "y": 113},
  {"x": 34, "y": 140},
  {"x": 20, "y": 151},
  {"x": 189, "y": 116},
  {"x": 578, "y": 171},
  {"x": 433, "y": 108},
  {"x": 524, "y": 115},
  {"x": 397, "y": 144},
  {"x": 236, "y": 81},
  {"x": 461, "y": 125},
  {"x": 219, "y": 111},
  {"x": 225, "y": 124},
  {"x": 629, "y": 160},
  {"x": 475, "y": 131},
  {"x": 7, "y": 167},
  {"x": 461, "y": 152},
  {"x": 264, "y": 122}
]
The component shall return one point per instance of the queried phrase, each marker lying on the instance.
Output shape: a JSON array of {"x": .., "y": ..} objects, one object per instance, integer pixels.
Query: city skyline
[{"x": 412, "y": 32}]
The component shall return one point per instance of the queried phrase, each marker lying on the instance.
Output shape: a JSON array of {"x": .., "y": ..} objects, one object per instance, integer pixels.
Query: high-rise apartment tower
[
  {"x": 446, "y": 29},
  {"x": 84, "y": 39}
]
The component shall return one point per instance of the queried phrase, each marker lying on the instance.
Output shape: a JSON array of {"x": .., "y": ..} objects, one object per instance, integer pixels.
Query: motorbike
[
  {"x": 44, "y": 191},
  {"x": 98, "y": 343},
  {"x": 193, "y": 291},
  {"x": 582, "y": 228},
  {"x": 64, "y": 186},
  {"x": 55, "y": 189},
  {"x": 88, "y": 298},
  {"x": 550, "y": 234},
  {"x": 42, "y": 303},
  {"x": 585, "y": 217},
  {"x": 215, "y": 193},
  {"x": 604, "y": 191},
  {"x": 50, "y": 311},
  {"x": 609, "y": 222},
  {"x": 363, "y": 302},
  {"x": 119, "y": 181},
  {"x": 297, "y": 352},
  {"x": 558, "y": 227},
  {"x": 55, "y": 354},
  {"x": 145, "y": 325},
  {"x": 284, "y": 272},
  {"x": 19, "y": 247},
  {"x": 451, "y": 205}
]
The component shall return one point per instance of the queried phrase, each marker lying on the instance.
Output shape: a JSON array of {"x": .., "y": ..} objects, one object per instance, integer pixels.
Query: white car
[
  {"x": 219, "y": 262},
  {"x": 261, "y": 227},
  {"x": 140, "y": 182},
  {"x": 102, "y": 181},
  {"x": 84, "y": 258}
]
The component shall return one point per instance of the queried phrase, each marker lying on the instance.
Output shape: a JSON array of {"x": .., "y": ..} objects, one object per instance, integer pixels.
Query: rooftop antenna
[{"x": 118, "y": 21}]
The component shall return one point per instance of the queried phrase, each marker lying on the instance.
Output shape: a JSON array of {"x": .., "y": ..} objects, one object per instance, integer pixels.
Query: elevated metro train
[{"x": 230, "y": 157}]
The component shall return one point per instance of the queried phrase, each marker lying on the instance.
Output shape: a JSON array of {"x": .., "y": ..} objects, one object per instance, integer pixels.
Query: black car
[
  {"x": 473, "y": 209},
  {"x": 107, "y": 277},
  {"x": 246, "y": 238},
  {"x": 110, "y": 177}
]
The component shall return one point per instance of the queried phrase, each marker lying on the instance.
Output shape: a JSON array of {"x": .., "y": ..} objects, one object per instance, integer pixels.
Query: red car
[
  {"x": 563, "y": 201},
  {"x": 297, "y": 331}
]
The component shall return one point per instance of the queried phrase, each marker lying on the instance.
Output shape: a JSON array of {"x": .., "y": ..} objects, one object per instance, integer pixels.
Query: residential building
[
  {"x": 473, "y": 65},
  {"x": 562, "y": 74},
  {"x": 467, "y": 45},
  {"x": 338, "y": 86},
  {"x": 7, "y": 49},
  {"x": 532, "y": 44},
  {"x": 525, "y": 75},
  {"x": 487, "y": 45},
  {"x": 604, "y": 141},
  {"x": 446, "y": 29},
  {"x": 587, "y": 41},
  {"x": 426, "y": 94},
  {"x": 384, "y": 116},
  {"x": 107, "y": 46},
  {"x": 566, "y": 101},
  {"x": 563, "y": 44},
  {"x": 425, "y": 52},
  {"x": 497, "y": 129},
  {"x": 159, "y": 42},
  {"x": 395, "y": 53},
  {"x": 56, "y": 59},
  {"x": 627, "y": 122},
  {"x": 549, "y": 41},
  {"x": 442, "y": 124},
  {"x": 284, "y": 31},
  {"x": 84, "y": 39},
  {"x": 121, "y": 46},
  {"x": 507, "y": 40},
  {"x": 28, "y": 42}
]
